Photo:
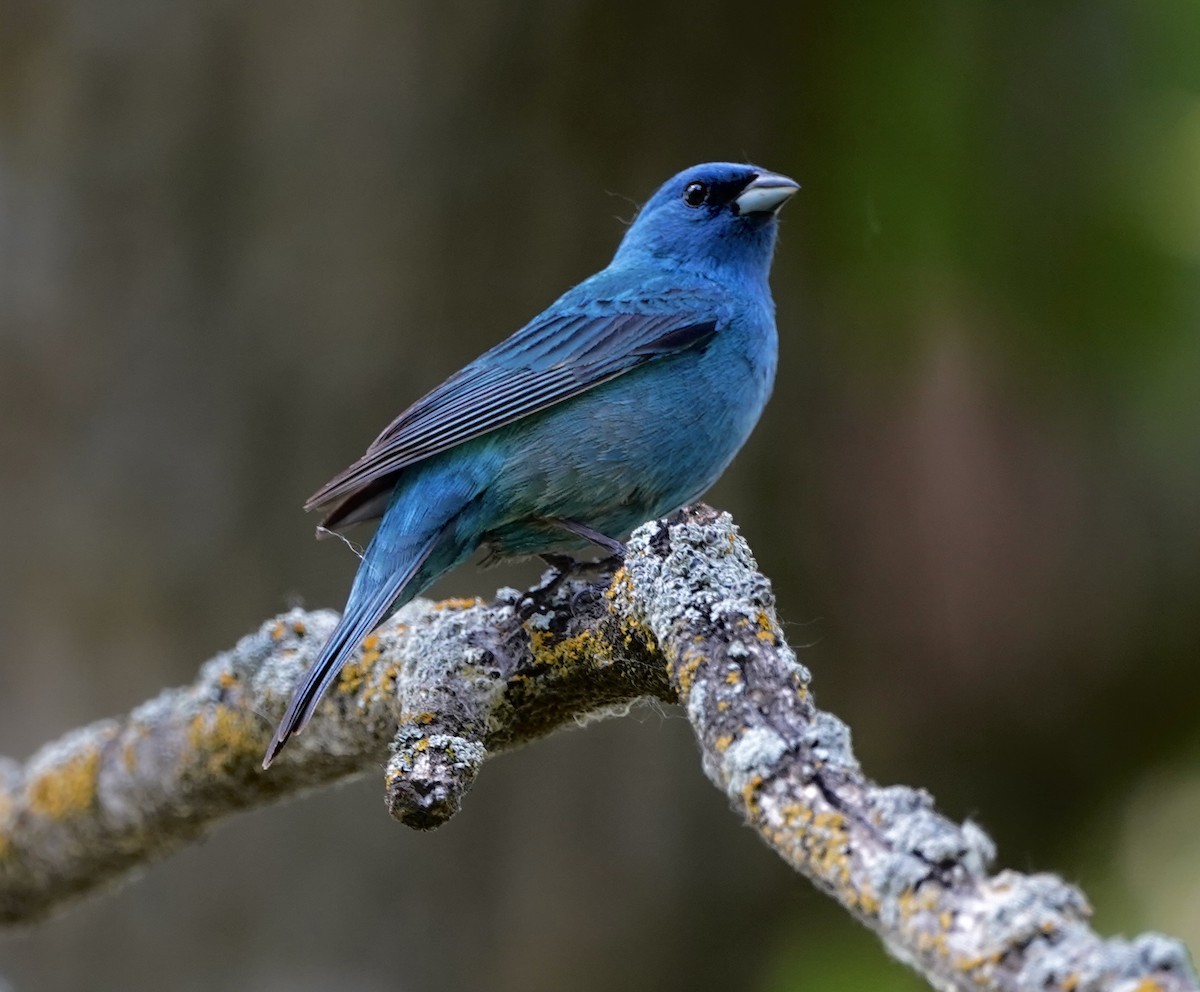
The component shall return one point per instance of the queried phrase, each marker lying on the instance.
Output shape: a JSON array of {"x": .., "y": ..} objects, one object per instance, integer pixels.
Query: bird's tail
[{"x": 362, "y": 615}]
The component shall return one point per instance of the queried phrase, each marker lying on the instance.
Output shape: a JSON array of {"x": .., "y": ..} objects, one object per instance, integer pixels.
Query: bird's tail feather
[{"x": 356, "y": 623}]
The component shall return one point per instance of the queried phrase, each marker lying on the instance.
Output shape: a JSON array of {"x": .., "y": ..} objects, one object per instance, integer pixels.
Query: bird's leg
[{"x": 614, "y": 548}]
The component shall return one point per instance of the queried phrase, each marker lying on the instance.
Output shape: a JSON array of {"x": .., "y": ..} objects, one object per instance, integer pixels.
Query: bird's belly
[{"x": 634, "y": 449}]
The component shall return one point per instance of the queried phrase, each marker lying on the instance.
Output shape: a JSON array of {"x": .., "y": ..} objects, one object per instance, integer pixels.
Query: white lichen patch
[{"x": 755, "y": 754}]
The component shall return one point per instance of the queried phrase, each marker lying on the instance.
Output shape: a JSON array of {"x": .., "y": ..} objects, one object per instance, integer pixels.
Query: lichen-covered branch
[
  {"x": 460, "y": 679},
  {"x": 914, "y": 877},
  {"x": 689, "y": 619}
]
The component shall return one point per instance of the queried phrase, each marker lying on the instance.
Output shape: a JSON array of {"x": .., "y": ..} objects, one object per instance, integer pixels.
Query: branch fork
[{"x": 441, "y": 687}]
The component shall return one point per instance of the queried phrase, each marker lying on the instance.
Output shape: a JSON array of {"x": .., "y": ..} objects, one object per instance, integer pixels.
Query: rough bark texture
[{"x": 688, "y": 619}]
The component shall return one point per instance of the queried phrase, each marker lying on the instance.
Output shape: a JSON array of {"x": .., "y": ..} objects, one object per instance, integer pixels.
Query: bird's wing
[{"x": 555, "y": 357}]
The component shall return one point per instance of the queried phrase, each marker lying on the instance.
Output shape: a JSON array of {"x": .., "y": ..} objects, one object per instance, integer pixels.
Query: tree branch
[{"x": 688, "y": 619}]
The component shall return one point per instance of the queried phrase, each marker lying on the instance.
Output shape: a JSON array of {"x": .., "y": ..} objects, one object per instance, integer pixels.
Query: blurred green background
[{"x": 236, "y": 239}]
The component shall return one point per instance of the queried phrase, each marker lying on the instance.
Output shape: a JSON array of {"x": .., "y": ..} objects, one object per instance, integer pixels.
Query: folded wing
[{"x": 552, "y": 359}]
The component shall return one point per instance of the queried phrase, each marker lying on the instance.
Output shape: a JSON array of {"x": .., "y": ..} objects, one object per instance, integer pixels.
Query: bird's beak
[{"x": 764, "y": 192}]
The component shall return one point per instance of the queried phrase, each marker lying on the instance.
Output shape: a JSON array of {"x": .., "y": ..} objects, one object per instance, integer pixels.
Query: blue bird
[{"x": 623, "y": 401}]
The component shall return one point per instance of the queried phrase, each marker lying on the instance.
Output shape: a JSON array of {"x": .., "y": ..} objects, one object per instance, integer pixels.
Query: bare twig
[{"x": 687, "y": 619}]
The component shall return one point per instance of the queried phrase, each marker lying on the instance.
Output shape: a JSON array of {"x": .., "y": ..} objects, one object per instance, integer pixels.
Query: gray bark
[{"x": 688, "y": 619}]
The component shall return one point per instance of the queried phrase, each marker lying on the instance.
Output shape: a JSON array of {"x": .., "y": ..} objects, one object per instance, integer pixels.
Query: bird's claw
[{"x": 562, "y": 568}]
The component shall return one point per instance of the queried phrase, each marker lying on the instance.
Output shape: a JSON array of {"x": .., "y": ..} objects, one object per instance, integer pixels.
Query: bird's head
[{"x": 720, "y": 214}]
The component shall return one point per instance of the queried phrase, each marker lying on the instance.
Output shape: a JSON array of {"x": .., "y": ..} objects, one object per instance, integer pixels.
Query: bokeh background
[{"x": 236, "y": 239}]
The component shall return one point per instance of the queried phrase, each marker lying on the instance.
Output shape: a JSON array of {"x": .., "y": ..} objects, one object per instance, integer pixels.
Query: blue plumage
[{"x": 623, "y": 401}]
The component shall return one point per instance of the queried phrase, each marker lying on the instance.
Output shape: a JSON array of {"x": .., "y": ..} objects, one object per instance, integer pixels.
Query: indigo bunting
[{"x": 623, "y": 401}]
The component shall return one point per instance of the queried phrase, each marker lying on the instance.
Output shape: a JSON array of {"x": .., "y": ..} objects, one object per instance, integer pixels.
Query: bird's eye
[{"x": 695, "y": 194}]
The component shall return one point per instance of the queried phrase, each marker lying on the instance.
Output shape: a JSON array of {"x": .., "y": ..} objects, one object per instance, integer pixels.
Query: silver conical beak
[{"x": 768, "y": 191}]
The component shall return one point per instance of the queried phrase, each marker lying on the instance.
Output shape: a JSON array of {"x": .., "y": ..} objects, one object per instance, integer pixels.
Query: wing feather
[{"x": 554, "y": 358}]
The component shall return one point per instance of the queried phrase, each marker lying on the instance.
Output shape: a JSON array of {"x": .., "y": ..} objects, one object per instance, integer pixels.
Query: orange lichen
[
  {"x": 227, "y": 680},
  {"x": 826, "y": 820},
  {"x": 224, "y": 737},
  {"x": 975, "y": 963},
  {"x": 766, "y": 629},
  {"x": 424, "y": 717},
  {"x": 928, "y": 941},
  {"x": 1148, "y": 985},
  {"x": 722, "y": 743},
  {"x": 584, "y": 649},
  {"x": 868, "y": 902},
  {"x": 686, "y": 673},
  {"x": 750, "y": 793},
  {"x": 637, "y": 634},
  {"x": 796, "y": 814},
  {"x": 353, "y": 675},
  {"x": 621, "y": 582},
  {"x": 733, "y": 677},
  {"x": 826, "y": 841},
  {"x": 458, "y": 603},
  {"x": 66, "y": 788}
]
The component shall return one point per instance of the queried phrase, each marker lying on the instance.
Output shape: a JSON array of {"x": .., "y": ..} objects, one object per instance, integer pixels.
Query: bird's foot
[
  {"x": 609, "y": 565},
  {"x": 562, "y": 568},
  {"x": 536, "y": 599}
]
